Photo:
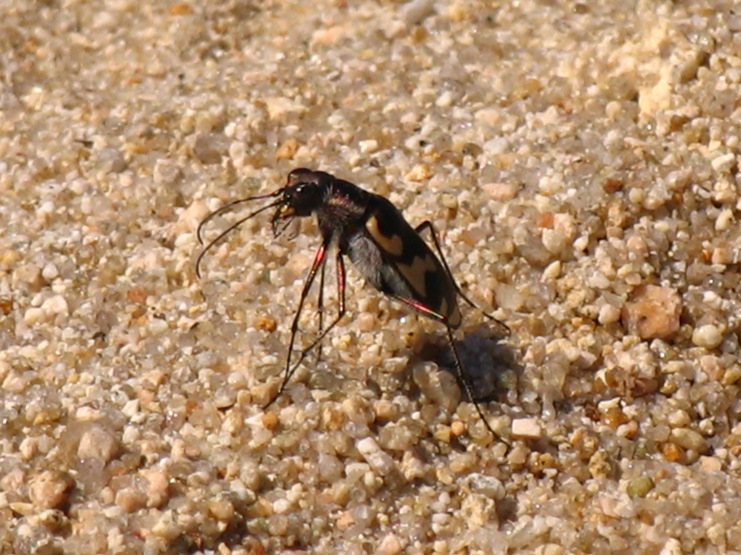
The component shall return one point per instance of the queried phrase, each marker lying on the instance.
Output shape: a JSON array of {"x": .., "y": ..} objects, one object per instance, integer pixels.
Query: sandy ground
[{"x": 581, "y": 161}]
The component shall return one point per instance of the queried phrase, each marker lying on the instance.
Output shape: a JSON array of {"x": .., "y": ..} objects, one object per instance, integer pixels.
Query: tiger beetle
[{"x": 372, "y": 232}]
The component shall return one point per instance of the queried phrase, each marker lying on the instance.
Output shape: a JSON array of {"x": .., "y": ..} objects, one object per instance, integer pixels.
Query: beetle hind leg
[
  {"x": 466, "y": 383},
  {"x": 427, "y": 224}
]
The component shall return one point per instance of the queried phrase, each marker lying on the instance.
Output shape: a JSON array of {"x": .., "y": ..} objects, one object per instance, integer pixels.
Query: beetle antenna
[
  {"x": 232, "y": 227},
  {"x": 227, "y": 208}
]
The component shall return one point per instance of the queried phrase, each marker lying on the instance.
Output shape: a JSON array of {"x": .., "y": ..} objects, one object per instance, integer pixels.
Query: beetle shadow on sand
[{"x": 488, "y": 362}]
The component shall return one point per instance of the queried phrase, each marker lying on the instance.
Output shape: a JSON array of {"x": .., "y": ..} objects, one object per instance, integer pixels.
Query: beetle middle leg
[{"x": 320, "y": 311}]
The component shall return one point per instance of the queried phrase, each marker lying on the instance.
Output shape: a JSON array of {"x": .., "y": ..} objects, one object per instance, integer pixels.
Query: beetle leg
[
  {"x": 320, "y": 310},
  {"x": 467, "y": 384},
  {"x": 320, "y": 259},
  {"x": 427, "y": 224},
  {"x": 340, "y": 265}
]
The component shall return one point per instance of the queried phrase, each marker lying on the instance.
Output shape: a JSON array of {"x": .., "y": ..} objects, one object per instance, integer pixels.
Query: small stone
[
  {"x": 390, "y": 545},
  {"x": 15, "y": 383},
  {"x": 25, "y": 509},
  {"x": 517, "y": 456},
  {"x": 441, "y": 546},
  {"x": 420, "y": 172},
  {"x": 500, "y": 192},
  {"x": 457, "y": 428},
  {"x": 716, "y": 533},
  {"x": 724, "y": 163},
  {"x": 724, "y": 221},
  {"x": 486, "y": 485},
  {"x": 465, "y": 464},
  {"x": 552, "y": 271},
  {"x": 266, "y": 323},
  {"x": 442, "y": 434},
  {"x": 488, "y": 116},
  {"x": 221, "y": 509},
  {"x": 449, "y": 201},
  {"x": 708, "y": 336},
  {"x": 270, "y": 420},
  {"x": 671, "y": 452},
  {"x": 55, "y": 305},
  {"x": 554, "y": 241},
  {"x": 50, "y": 271},
  {"x": 498, "y": 147},
  {"x": 287, "y": 150},
  {"x": 689, "y": 439},
  {"x": 722, "y": 255},
  {"x": 527, "y": 428},
  {"x": 330, "y": 468},
  {"x": 137, "y": 295},
  {"x": 416, "y": 11},
  {"x": 344, "y": 520},
  {"x": 445, "y": 100},
  {"x": 281, "y": 506},
  {"x": 640, "y": 487},
  {"x": 111, "y": 160},
  {"x": 167, "y": 528},
  {"x": 411, "y": 467},
  {"x": 732, "y": 375},
  {"x": 278, "y": 525},
  {"x": 386, "y": 411},
  {"x": 327, "y": 36},
  {"x": 180, "y": 9},
  {"x": 157, "y": 486},
  {"x": 437, "y": 385},
  {"x": 130, "y": 499},
  {"x": 672, "y": 547},
  {"x": 653, "y": 313},
  {"x": 54, "y": 520},
  {"x": 678, "y": 419},
  {"x": 28, "y": 448},
  {"x": 608, "y": 314},
  {"x": 50, "y": 489},
  {"x": 98, "y": 443},
  {"x": 599, "y": 465},
  {"x": 368, "y": 147},
  {"x": 33, "y": 316},
  {"x": 279, "y": 106},
  {"x": 379, "y": 461},
  {"x": 711, "y": 464},
  {"x": 551, "y": 549},
  {"x": 210, "y": 147}
]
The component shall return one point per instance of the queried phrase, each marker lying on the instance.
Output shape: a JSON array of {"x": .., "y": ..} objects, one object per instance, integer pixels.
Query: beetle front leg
[
  {"x": 320, "y": 259},
  {"x": 340, "y": 265}
]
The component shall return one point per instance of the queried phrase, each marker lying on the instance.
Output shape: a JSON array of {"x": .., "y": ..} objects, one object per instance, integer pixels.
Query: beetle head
[{"x": 304, "y": 193}]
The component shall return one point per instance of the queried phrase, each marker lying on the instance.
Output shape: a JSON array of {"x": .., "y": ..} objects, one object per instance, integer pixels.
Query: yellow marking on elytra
[
  {"x": 392, "y": 245},
  {"x": 451, "y": 313},
  {"x": 443, "y": 308},
  {"x": 453, "y": 319},
  {"x": 416, "y": 273}
]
